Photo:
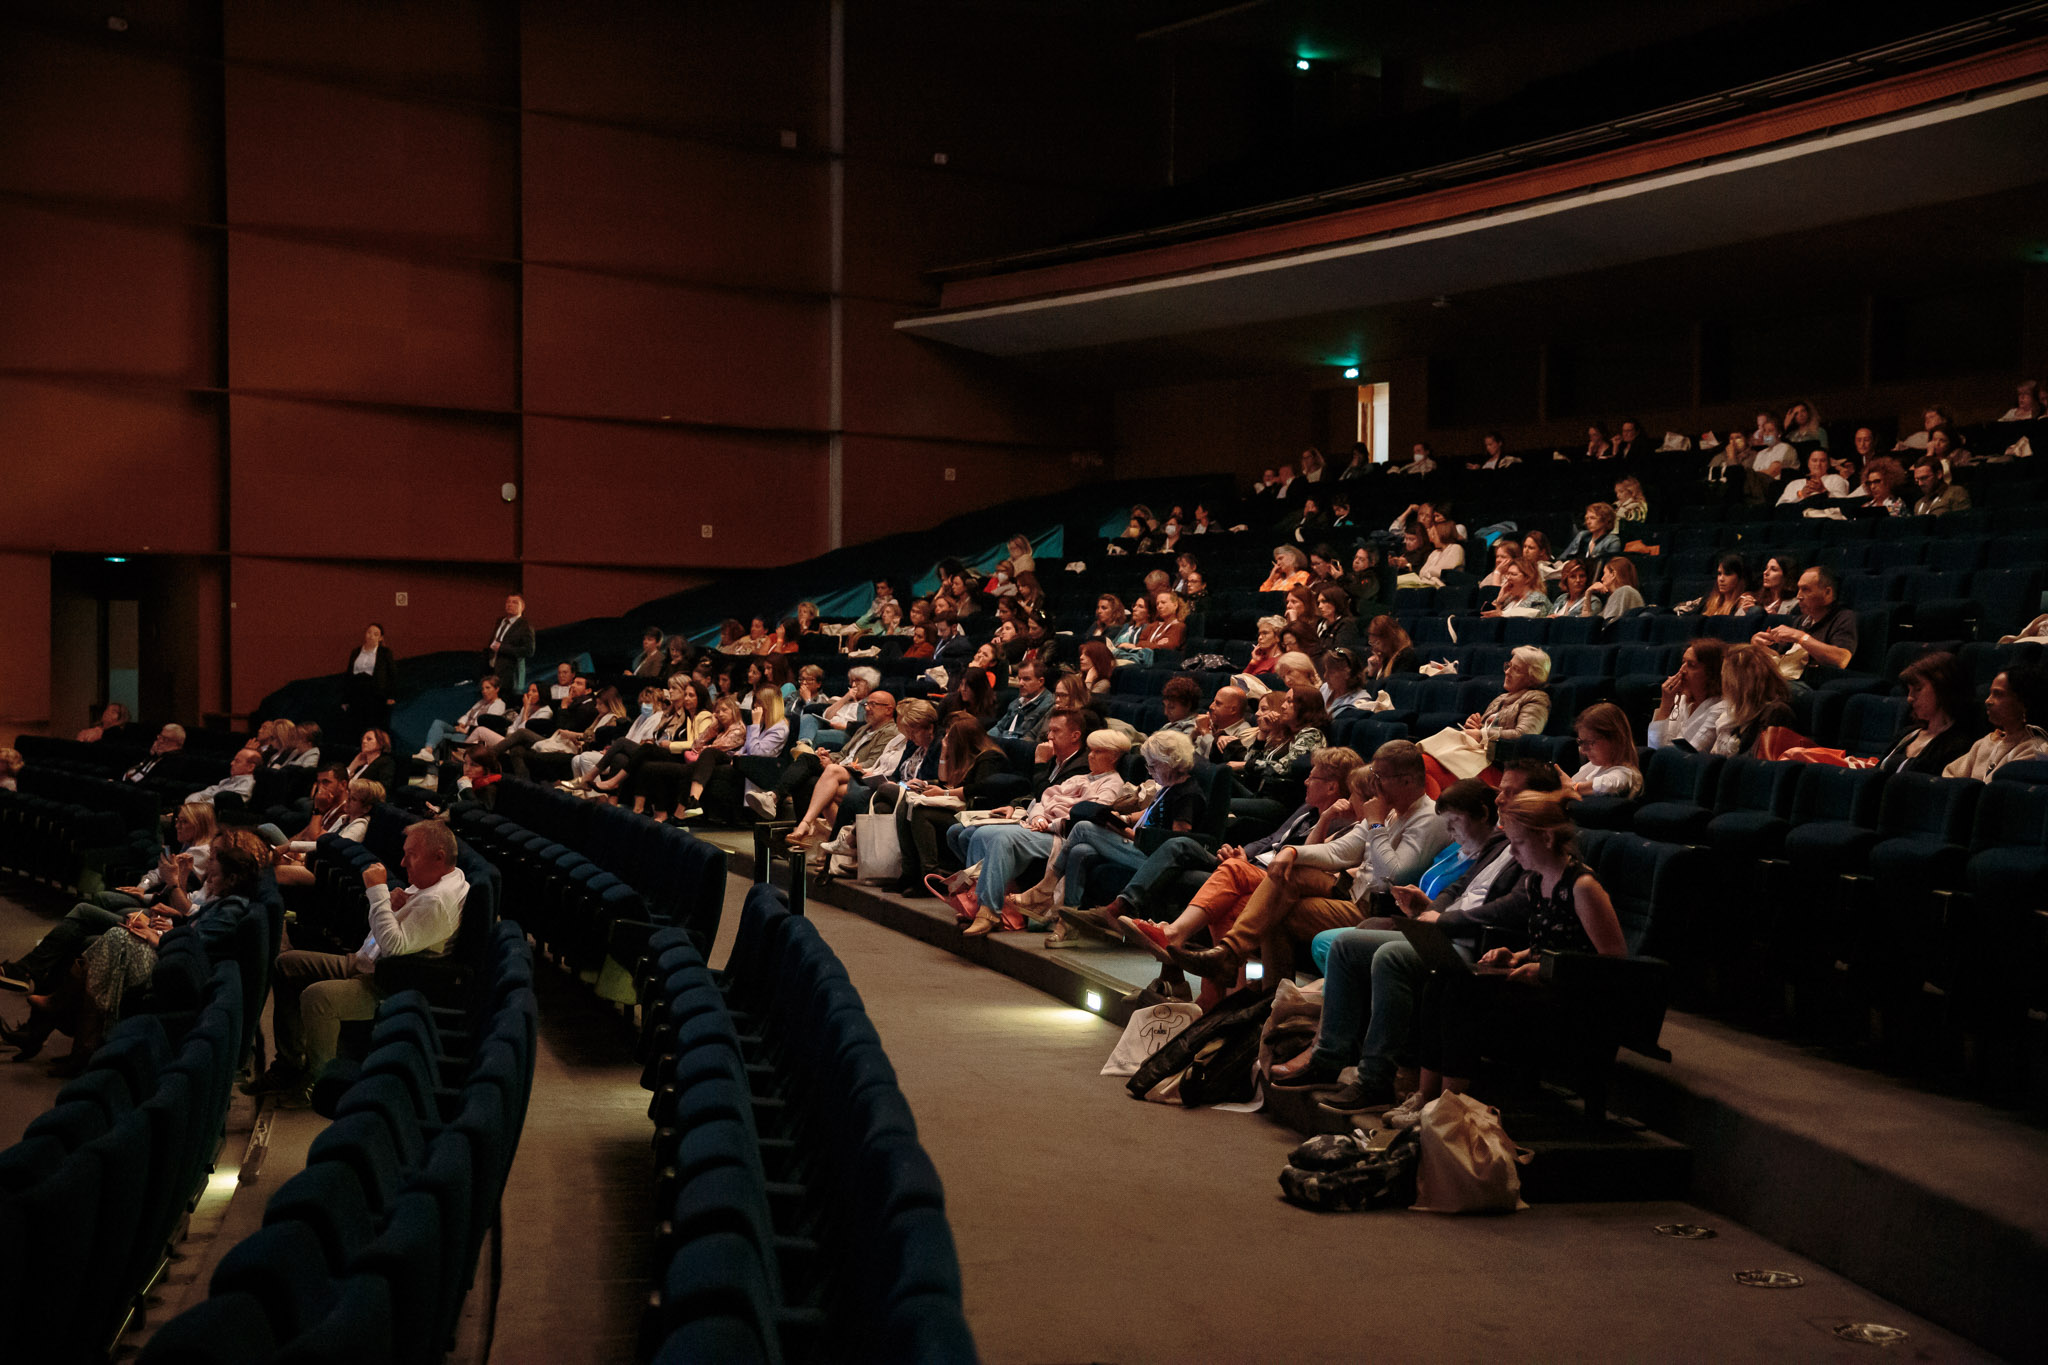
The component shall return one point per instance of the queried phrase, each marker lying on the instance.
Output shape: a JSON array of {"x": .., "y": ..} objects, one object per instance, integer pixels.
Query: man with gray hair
[
  {"x": 169, "y": 740},
  {"x": 844, "y": 713}
]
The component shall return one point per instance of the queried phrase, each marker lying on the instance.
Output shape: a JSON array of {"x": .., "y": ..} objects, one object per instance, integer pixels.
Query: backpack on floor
[
  {"x": 1212, "y": 1061},
  {"x": 1337, "y": 1171}
]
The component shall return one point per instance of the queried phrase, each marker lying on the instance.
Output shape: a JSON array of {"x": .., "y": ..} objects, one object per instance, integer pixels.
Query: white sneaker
[
  {"x": 425, "y": 755},
  {"x": 762, "y": 803},
  {"x": 1406, "y": 1114}
]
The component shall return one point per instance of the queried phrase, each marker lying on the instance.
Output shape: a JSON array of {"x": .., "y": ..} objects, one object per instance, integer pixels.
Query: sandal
[{"x": 1150, "y": 935}]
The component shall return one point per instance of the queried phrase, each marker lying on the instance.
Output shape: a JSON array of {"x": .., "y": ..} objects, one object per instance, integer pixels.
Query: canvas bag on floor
[
  {"x": 1150, "y": 1029},
  {"x": 1468, "y": 1164},
  {"x": 881, "y": 856}
]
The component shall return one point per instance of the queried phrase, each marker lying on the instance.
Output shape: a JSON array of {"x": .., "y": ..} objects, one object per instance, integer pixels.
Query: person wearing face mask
[{"x": 1373, "y": 976}]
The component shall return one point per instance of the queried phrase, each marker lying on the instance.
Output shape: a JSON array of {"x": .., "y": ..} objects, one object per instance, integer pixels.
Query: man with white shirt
[
  {"x": 1818, "y": 483},
  {"x": 1397, "y": 835},
  {"x": 241, "y": 780},
  {"x": 1373, "y": 977},
  {"x": 315, "y": 992}
]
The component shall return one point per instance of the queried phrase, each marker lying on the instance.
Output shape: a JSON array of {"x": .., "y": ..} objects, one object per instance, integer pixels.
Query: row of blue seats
[
  {"x": 69, "y": 832},
  {"x": 367, "y": 1254},
  {"x": 96, "y": 1194},
  {"x": 591, "y": 882},
  {"x": 1895, "y": 890},
  {"x": 800, "y": 1219}
]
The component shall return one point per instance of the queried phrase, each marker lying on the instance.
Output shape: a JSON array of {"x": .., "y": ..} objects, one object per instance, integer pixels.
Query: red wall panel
[
  {"x": 575, "y": 592},
  {"x": 895, "y": 486},
  {"x": 902, "y": 220},
  {"x": 664, "y": 65},
  {"x": 597, "y": 345},
  {"x": 90, "y": 468},
  {"x": 297, "y": 618},
  {"x": 324, "y": 479},
  {"x": 104, "y": 298},
  {"x": 316, "y": 319},
  {"x": 84, "y": 122},
  {"x": 625, "y": 200},
  {"x": 464, "y": 48},
  {"x": 25, "y": 626},
  {"x": 303, "y": 154},
  {"x": 898, "y": 385},
  {"x": 640, "y": 495}
]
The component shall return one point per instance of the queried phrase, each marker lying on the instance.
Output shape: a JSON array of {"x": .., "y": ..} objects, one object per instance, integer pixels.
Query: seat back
[
  {"x": 1846, "y": 794},
  {"x": 1939, "y": 807}
]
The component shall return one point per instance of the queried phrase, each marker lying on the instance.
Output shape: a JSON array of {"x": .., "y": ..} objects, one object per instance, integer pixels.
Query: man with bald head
[{"x": 1223, "y": 732}]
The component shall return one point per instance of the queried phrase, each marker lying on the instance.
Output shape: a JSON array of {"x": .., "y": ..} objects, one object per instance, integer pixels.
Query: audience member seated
[
  {"x": 1522, "y": 708},
  {"x": 169, "y": 740},
  {"x": 2026, "y": 405},
  {"x": 1496, "y": 451},
  {"x": 1389, "y": 651},
  {"x": 1224, "y": 732},
  {"x": 1598, "y": 446},
  {"x": 372, "y": 761},
  {"x": 873, "y": 746},
  {"x": 1463, "y": 1013},
  {"x": 340, "y": 808},
  {"x": 842, "y": 794},
  {"x": 1342, "y": 688},
  {"x": 241, "y": 780},
  {"x": 1826, "y": 629},
  {"x": 1818, "y": 484},
  {"x": 533, "y": 709},
  {"x": 1618, "y": 587},
  {"x": 969, "y": 761},
  {"x": 1598, "y": 539},
  {"x": 10, "y": 769},
  {"x": 1507, "y": 549},
  {"x": 313, "y": 993},
  {"x": 1446, "y": 555},
  {"x": 1938, "y": 497},
  {"x": 1119, "y": 841},
  {"x": 462, "y": 730},
  {"x": 1266, "y": 649},
  {"x": 2018, "y": 698},
  {"x": 585, "y": 748},
  {"x": 1291, "y": 722},
  {"x": 89, "y": 994},
  {"x": 1521, "y": 591},
  {"x": 183, "y": 862},
  {"x": 1777, "y": 591},
  {"x": 1932, "y": 419},
  {"x": 1002, "y": 850},
  {"x": 1884, "y": 482},
  {"x": 1607, "y": 745},
  {"x": 870, "y": 621},
  {"x": 659, "y": 772},
  {"x": 1025, "y": 718},
  {"x": 1373, "y": 974},
  {"x": 1757, "y": 700},
  {"x": 1395, "y": 838},
  {"x": 1690, "y": 708},
  {"x": 1575, "y": 595},
  {"x": 1631, "y": 505},
  {"x": 1730, "y": 596},
  {"x": 1730, "y": 464},
  {"x": 1290, "y": 569},
  {"x": 2036, "y": 629},
  {"x": 113, "y": 723},
  {"x": 1233, "y": 872}
]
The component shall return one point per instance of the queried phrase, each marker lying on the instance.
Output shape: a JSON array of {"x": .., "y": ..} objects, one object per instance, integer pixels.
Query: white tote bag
[
  {"x": 1469, "y": 1165},
  {"x": 881, "y": 855}
]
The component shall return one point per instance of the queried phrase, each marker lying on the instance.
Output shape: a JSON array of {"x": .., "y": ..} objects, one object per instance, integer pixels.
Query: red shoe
[{"x": 1151, "y": 933}]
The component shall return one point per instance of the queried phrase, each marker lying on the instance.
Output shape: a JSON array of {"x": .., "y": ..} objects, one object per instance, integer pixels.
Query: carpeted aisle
[{"x": 1094, "y": 1227}]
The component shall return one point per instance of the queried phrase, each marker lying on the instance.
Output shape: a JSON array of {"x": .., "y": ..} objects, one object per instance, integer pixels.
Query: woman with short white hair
[
  {"x": 1522, "y": 708},
  {"x": 1122, "y": 841}
]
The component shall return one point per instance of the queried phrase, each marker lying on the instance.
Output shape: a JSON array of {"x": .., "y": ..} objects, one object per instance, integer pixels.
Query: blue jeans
[
  {"x": 438, "y": 731},
  {"x": 1163, "y": 869},
  {"x": 1089, "y": 847},
  {"x": 1002, "y": 851},
  {"x": 1370, "y": 988}
]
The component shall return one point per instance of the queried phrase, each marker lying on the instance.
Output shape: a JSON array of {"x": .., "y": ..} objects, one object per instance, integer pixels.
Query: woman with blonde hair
[
  {"x": 1266, "y": 649},
  {"x": 1389, "y": 650},
  {"x": 1296, "y": 670},
  {"x": 1169, "y": 623},
  {"x": 1521, "y": 592},
  {"x": 1630, "y": 502},
  {"x": 1757, "y": 699},
  {"x": 1290, "y": 569},
  {"x": 10, "y": 764}
]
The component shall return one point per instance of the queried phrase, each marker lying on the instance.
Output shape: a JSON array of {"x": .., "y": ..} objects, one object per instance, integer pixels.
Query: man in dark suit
[
  {"x": 169, "y": 740},
  {"x": 511, "y": 645}
]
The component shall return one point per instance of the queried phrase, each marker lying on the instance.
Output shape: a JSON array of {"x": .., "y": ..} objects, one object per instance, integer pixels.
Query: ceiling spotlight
[
  {"x": 1301, "y": 63},
  {"x": 1351, "y": 372}
]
